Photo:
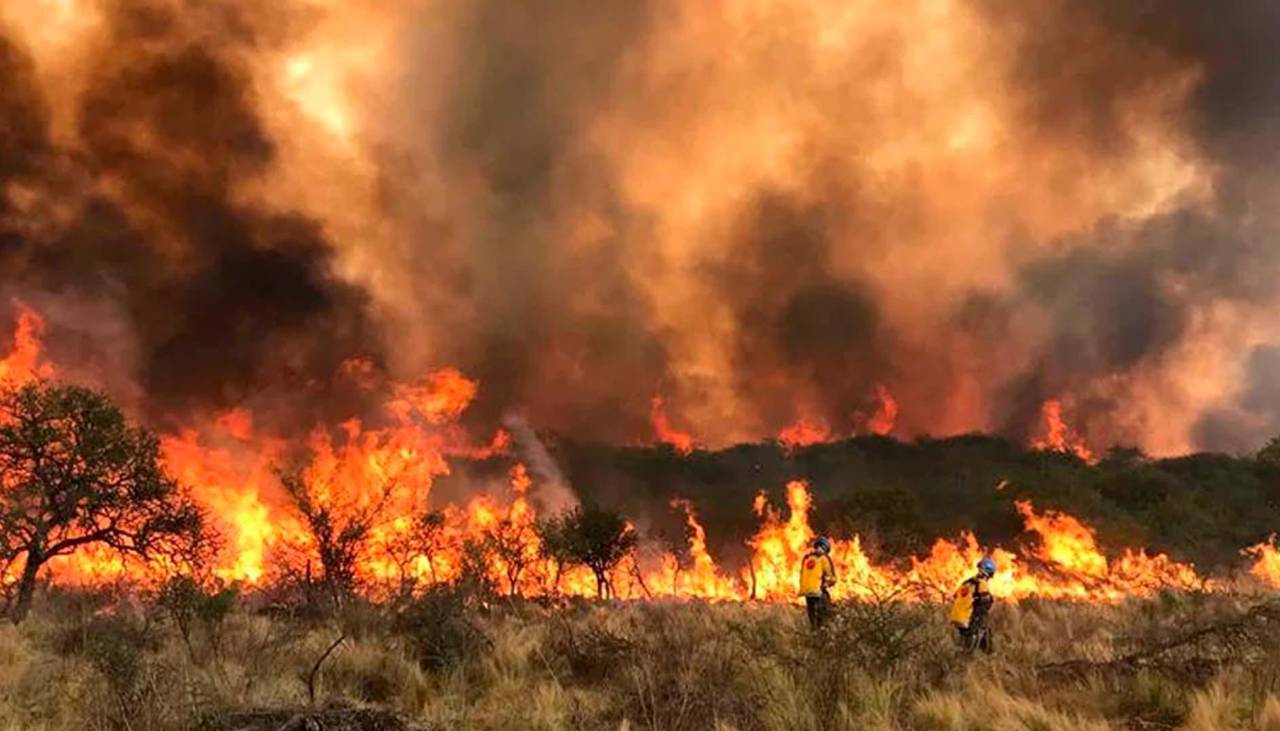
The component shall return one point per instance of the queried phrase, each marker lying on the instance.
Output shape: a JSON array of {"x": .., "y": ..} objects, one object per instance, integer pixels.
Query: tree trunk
[
  {"x": 513, "y": 578},
  {"x": 600, "y": 582},
  {"x": 27, "y": 586}
]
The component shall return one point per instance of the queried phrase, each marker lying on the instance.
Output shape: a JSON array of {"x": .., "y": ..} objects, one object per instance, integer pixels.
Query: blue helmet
[
  {"x": 987, "y": 567},
  {"x": 822, "y": 544}
]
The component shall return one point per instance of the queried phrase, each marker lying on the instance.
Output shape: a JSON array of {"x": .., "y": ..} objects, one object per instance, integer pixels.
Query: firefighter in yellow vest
[
  {"x": 970, "y": 607},
  {"x": 817, "y": 576}
]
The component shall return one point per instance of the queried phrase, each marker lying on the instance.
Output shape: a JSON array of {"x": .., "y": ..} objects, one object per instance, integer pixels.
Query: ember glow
[
  {"x": 880, "y": 420},
  {"x": 885, "y": 416}
]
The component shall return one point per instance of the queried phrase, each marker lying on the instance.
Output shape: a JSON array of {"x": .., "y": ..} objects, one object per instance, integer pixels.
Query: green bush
[{"x": 440, "y": 629}]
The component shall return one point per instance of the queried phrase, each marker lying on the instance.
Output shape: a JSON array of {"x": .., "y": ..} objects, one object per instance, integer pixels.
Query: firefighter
[
  {"x": 970, "y": 607},
  {"x": 817, "y": 576}
]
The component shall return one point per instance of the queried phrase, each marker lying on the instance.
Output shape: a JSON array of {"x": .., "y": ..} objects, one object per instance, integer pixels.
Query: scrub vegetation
[{"x": 462, "y": 659}]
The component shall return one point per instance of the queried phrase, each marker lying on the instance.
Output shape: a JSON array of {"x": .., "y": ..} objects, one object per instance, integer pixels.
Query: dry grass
[{"x": 668, "y": 666}]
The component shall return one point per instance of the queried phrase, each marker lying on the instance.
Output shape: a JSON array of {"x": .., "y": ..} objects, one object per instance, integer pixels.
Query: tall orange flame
[
  {"x": 886, "y": 414},
  {"x": 680, "y": 441},
  {"x": 23, "y": 363},
  {"x": 1059, "y": 436},
  {"x": 1267, "y": 562}
]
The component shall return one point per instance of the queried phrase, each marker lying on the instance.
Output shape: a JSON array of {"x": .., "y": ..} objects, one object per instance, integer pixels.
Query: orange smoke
[{"x": 1059, "y": 436}]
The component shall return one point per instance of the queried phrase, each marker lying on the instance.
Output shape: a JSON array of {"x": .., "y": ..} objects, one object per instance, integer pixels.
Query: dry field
[{"x": 445, "y": 662}]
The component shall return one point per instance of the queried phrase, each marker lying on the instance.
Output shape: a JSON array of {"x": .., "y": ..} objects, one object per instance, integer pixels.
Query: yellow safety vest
[
  {"x": 817, "y": 572},
  {"x": 962, "y": 604}
]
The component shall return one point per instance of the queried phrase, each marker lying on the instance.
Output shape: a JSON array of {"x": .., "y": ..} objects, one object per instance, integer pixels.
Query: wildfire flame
[
  {"x": 803, "y": 433},
  {"x": 23, "y": 363},
  {"x": 680, "y": 441},
  {"x": 1267, "y": 562},
  {"x": 230, "y": 465},
  {"x": 1059, "y": 436},
  {"x": 886, "y": 414}
]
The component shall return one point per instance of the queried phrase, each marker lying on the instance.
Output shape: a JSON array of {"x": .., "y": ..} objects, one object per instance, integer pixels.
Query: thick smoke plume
[{"x": 760, "y": 211}]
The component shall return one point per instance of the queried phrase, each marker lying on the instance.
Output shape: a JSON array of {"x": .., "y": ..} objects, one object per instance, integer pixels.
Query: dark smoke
[
  {"x": 23, "y": 143},
  {"x": 1122, "y": 295},
  {"x": 556, "y": 330},
  {"x": 227, "y": 300},
  {"x": 805, "y": 334},
  {"x": 538, "y": 272}
]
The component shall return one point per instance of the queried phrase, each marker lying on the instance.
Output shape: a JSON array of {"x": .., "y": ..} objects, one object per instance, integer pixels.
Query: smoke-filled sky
[{"x": 759, "y": 210}]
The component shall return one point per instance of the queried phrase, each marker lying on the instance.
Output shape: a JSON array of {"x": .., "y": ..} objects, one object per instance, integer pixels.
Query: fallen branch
[
  {"x": 1220, "y": 642},
  {"x": 315, "y": 669}
]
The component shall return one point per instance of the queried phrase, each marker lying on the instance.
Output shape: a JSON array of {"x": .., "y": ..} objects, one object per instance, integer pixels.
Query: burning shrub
[
  {"x": 338, "y": 537},
  {"x": 424, "y": 540}
]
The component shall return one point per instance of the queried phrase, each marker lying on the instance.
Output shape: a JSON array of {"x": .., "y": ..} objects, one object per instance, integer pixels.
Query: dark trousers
[
  {"x": 977, "y": 636},
  {"x": 816, "y": 608}
]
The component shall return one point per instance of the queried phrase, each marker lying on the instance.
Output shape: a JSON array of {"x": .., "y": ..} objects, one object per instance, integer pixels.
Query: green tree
[
  {"x": 557, "y": 546},
  {"x": 73, "y": 474},
  {"x": 1270, "y": 454},
  {"x": 595, "y": 538}
]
